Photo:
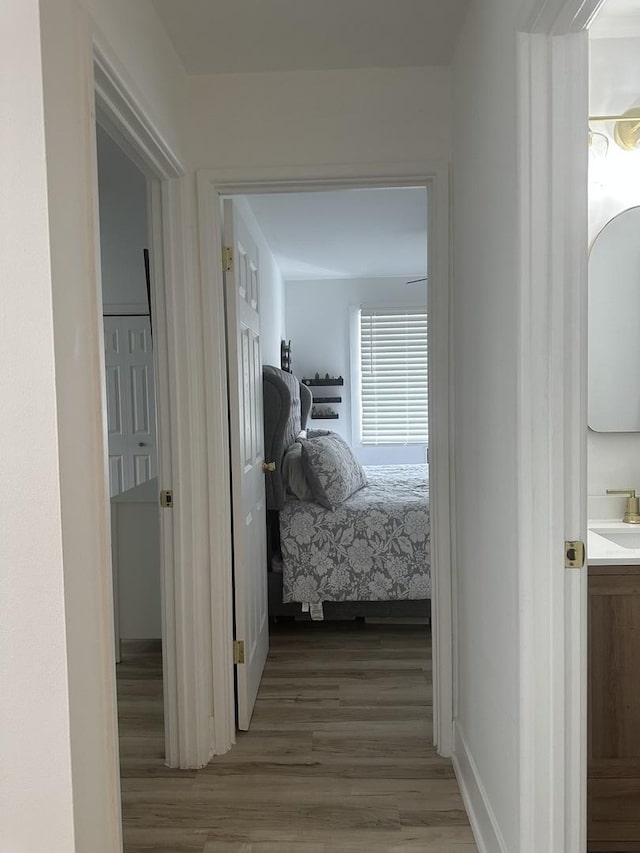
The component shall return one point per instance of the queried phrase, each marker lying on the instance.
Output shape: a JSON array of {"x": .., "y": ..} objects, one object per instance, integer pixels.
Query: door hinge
[
  {"x": 166, "y": 498},
  {"x": 573, "y": 554},
  {"x": 238, "y": 651},
  {"x": 227, "y": 258}
]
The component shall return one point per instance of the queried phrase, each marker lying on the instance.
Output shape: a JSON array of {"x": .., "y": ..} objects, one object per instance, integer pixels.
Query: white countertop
[{"x": 603, "y": 552}]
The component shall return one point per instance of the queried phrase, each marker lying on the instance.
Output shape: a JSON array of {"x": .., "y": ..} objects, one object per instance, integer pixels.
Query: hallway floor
[{"x": 338, "y": 757}]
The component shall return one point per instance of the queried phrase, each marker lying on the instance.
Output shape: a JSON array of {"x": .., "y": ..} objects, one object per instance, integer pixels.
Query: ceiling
[
  {"x": 229, "y": 36},
  {"x": 366, "y": 233},
  {"x": 617, "y": 19}
]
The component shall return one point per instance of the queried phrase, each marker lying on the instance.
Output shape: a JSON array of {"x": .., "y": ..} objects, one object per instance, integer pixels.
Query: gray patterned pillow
[{"x": 332, "y": 470}]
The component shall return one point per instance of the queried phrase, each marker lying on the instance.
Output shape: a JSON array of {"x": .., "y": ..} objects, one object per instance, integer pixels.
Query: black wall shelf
[
  {"x": 327, "y": 399},
  {"x": 324, "y": 417},
  {"x": 323, "y": 383}
]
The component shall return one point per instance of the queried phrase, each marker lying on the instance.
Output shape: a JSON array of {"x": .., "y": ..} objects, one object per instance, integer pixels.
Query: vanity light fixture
[
  {"x": 598, "y": 144},
  {"x": 626, "y": 130}
]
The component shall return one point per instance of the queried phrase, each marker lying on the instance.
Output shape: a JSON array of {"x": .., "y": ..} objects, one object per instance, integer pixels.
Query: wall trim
[
  {"x": 476, "y": 801},
  {"x": 211, "y": 184}
]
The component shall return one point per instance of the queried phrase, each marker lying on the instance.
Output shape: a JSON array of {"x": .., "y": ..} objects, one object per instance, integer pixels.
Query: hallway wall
[
  {"x": 486, "y": 269},
  {"x": 57, "y": 675},
  {"x": 368, "y": 115}
]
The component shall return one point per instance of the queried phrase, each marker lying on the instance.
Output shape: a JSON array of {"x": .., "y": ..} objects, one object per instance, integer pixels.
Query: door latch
[
  {"x": 573, "y": 554},
  {"x": 166, "y": 498}
]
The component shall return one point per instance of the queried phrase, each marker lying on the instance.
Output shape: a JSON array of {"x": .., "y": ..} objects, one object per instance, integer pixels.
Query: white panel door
[
  {"x": 247, "y": 455},
  {"x": 131, "y": 414}
]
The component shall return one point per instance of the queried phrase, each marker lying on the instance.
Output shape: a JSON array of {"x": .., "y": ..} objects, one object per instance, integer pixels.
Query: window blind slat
[{"x": 394, "y": 376}]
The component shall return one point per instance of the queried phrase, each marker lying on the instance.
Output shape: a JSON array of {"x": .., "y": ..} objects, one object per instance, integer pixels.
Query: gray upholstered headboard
[{"x": 286, "y": 408}]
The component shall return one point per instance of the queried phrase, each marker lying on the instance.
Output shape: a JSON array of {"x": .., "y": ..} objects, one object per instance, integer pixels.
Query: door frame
[
  {"x": 211, "y": 185},
  {"x": 553, "y": 93},
  {"x": 180, "y": 423}
]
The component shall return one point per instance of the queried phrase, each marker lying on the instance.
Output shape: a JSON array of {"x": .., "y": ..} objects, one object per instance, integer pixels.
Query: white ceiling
[
  {"x": 368, "y": 233},
  {"x": 617, "y": 19},
  {"x": 229, "y": 36}
]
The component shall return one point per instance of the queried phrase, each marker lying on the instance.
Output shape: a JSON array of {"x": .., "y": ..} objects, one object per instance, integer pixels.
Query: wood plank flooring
[{"x": 338, "y": 758}]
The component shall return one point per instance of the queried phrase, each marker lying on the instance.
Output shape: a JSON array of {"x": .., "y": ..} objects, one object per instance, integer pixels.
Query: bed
[{"x": 366, "y": 554}]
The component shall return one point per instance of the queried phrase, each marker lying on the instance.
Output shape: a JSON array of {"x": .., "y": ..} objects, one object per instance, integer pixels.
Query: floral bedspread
[{"x": 373, "y": 547}]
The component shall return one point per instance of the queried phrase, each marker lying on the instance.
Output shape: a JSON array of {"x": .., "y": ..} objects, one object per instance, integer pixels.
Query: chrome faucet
[{"x": 632, "y": 510}]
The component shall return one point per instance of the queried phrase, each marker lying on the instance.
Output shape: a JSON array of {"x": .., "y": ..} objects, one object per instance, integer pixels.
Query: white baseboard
[{"x": 483, "y": 821}]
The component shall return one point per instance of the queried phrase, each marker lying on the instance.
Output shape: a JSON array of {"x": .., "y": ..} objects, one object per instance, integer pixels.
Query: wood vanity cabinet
[{"x": 613, "y": 783}]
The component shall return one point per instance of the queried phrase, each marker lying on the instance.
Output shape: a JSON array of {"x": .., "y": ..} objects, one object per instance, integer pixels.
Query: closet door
[
  {"x": 247, "y": 457},
  {"x": 131, "y": 410}
]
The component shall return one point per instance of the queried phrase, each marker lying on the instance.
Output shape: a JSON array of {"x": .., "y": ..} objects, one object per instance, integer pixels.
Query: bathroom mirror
[{"x": 614, "y": 325}]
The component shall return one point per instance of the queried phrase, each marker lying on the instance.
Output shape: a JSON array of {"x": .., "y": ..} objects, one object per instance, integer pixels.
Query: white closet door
[
  {"x": 131, "y": 412},
  {"x": 247, "y": 456}
]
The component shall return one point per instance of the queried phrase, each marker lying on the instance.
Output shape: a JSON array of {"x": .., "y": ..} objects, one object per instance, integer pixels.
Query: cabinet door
[{"x": 614, "y": 708}]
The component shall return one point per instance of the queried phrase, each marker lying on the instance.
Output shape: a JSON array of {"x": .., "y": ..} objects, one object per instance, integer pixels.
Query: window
[{"x": 393, "y": 376}]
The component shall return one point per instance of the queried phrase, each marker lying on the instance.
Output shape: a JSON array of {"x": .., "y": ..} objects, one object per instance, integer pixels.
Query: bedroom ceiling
[
  {"x": 228, "y": 36},
  {"x": 368, "y": 233}
]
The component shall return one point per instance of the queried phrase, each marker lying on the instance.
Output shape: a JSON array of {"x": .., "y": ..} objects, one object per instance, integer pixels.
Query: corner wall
[
  {"x": 485, "y": 296},
  {"x": 318, "y": 323},
  {"x": 122, "y": 196}
]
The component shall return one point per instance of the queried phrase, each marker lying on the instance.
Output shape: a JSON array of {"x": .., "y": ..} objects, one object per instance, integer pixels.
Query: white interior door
[
  {"x": 131, "y": 409},
  {"x": 247, "y": 455}
]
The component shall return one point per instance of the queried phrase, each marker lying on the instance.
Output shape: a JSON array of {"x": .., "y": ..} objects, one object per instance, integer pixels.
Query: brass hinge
[
  {"x": 227, "y": 258},
  {"x": 573, "y": 554},
  {"x": 238, "y": 651},
  {"x": 166, "y": 498}
]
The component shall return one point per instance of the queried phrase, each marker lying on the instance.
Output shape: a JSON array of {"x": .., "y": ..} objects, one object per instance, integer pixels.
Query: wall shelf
[
  {"x": 327, "y": 399},
  {"x": 333, "y": 417},
  {"x": 324, "y": 383}
]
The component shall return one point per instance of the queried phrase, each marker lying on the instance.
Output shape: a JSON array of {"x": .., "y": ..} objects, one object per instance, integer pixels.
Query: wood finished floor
[{"x": 338, "y": 758}]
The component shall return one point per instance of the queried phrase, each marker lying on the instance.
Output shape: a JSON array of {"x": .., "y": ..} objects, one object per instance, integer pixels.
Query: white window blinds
[{"x": 394, "y": 375}]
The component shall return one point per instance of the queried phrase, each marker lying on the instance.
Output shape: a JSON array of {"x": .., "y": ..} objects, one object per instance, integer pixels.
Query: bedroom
[{"x": 337, "y": 281}]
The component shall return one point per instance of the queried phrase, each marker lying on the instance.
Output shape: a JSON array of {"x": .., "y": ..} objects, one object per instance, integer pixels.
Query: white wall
[
  {"x": 614, "y": 186},
  {"x": 272, "y": 315},
  {"x": 485, "y": 264},
  {"x": 57, "y": 633},
  {"x": 320, "y": 117},
  {"x": 123, "y": 228},
  {"x": 34, "y": 708},
  {"x": 318, "y": 324}
]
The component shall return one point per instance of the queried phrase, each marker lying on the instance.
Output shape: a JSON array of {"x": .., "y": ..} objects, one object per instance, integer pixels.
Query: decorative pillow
[
  {"x": 332, "y": 470},
  {"x": 295, "y": 479}
]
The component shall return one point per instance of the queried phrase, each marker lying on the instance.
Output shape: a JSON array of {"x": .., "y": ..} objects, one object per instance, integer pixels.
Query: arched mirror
[{"x": 614, "y": 325}]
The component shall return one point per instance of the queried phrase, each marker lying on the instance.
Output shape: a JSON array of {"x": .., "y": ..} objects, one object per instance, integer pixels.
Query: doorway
[
  {"x": 124, "y": 127},
  {"x": 342, "y": 276},
  {"x": 613, "y": 768},
  {"x": 210, "y": 189},
  {"x": 130, "y": 394}
]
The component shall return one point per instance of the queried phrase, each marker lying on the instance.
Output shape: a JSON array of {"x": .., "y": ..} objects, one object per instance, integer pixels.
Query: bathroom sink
[{"x": 624, "y": 537}]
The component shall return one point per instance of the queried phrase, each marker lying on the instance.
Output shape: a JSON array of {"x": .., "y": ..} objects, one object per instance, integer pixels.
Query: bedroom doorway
[
  {"x": 210, "y": 191},
  {"x": 359, "y": 316},
  {"x": 136, "y": 203}
]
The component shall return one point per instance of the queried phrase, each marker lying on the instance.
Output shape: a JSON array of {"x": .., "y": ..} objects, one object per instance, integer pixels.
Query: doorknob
[{"x": 268, "y": 466}]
